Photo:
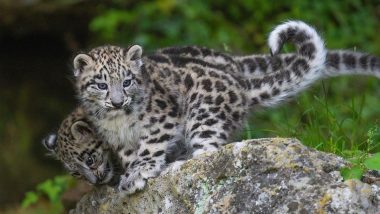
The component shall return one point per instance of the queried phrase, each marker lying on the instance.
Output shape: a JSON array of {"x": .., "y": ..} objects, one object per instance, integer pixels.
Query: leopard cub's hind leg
[{"x": 214, "y": 113}]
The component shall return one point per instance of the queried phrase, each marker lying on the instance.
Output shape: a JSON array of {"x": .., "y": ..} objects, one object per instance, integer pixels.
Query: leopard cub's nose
[{"x": 117, "y": 104}]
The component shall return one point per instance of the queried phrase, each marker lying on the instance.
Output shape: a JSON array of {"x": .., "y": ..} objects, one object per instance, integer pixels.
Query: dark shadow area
[
  {"x": 36, "y": 48},
  {"x": 35, "y": 95}
]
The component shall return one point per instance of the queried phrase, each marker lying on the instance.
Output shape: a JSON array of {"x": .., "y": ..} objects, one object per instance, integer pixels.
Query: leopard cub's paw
[
  {"x": 173, "y": 167},
  {"x": 129, "y": 184}
]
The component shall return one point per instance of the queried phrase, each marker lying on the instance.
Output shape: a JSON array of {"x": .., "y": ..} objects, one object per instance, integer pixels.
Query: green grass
[{"x": 333, "y": 116}]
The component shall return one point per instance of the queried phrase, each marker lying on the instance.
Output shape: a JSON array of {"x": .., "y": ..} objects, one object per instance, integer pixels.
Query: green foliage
[
  {"x": 351, "y": 173},
  {"x": 373, "y": 162},
  {"x": 29, "y": 199},
  {"x": 363, "y": 161},
  {"x": 161, "y": 23},
  {"x": 52, "y": 189},
  {"x": 241, "y": 24}
]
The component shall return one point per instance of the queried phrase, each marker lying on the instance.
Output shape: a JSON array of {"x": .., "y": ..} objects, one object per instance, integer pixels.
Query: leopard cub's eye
[
  {"x": 102, "y": 86},
  {"x": 127, "y": 83},
  {"x": 89, "y": 161},
  {"x": 75, "y": 174}
]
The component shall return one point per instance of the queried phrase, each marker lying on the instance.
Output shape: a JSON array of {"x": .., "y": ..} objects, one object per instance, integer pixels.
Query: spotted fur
[
  {"x": 76, "y": 141},
  {"x": 196, "y": 97},
  {"x": 82, "y": 153}
]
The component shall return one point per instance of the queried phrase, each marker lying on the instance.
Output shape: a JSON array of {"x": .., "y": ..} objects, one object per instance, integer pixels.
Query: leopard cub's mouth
[{"x": 108, "y": 174}]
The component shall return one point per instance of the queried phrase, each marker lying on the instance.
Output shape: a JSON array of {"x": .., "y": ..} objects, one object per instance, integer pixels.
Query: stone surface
[{"x": 256, "y": 176}]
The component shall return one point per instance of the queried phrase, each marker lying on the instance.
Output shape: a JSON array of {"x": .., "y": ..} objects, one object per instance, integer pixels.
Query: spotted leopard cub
[
  {"x": 82, "y": 153},
  {"x": 85, "y": 156},
  {"x": 150, "y": 104}
]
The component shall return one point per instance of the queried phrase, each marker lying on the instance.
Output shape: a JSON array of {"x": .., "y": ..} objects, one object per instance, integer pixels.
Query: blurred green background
[{"x": 38, "y": 40}]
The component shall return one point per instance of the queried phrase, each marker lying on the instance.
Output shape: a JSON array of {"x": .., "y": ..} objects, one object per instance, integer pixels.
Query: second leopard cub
[
  {"x": 82, "y": 153},
  {"x": 85, "y": 156}
]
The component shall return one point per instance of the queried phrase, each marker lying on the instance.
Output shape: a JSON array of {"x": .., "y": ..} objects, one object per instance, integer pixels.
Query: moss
[
  {"x": 325, "y": 200},
  {"x": 204, "y": 196}
]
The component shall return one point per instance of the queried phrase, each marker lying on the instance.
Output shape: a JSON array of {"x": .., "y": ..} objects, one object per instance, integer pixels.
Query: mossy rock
[{"x": 255, "y": 176}]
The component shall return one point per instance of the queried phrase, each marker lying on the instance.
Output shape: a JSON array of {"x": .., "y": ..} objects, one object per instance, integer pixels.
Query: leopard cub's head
[
  {"x": 81, "y": 152},
  {"x": 110, "y": 78}
]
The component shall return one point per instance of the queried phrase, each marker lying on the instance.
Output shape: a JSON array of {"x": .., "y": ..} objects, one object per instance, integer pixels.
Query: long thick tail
[
  {"x": 273, "y": 78},
  {"x": 271, "y": 86},
  {"x": 294, "y": 72},
  {"x": 307, "y": 41},
  {"x": 345, "y": 62}
]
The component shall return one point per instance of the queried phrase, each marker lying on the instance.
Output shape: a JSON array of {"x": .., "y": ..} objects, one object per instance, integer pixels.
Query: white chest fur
[{"x": 120, "y": 129}]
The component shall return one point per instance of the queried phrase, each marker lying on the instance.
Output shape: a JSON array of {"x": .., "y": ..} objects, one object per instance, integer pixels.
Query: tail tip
[{"x": 282, "y": 32}]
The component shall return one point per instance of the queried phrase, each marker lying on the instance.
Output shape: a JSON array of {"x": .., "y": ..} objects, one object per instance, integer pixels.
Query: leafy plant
[
  {"x": 363, "y": 161},
  {"x": 373, "y": 162},
  {"x": 52, "y": 189},
  {"x": 351, "y": 173},
  {"x": 30, "y": 198}
]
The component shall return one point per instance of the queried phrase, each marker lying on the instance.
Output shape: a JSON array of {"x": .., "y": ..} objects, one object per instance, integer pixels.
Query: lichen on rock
[{"x": 255, "y": 176}]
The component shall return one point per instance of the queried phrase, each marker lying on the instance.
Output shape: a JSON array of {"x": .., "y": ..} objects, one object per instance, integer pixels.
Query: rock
[{"x": 256, "y": 176}]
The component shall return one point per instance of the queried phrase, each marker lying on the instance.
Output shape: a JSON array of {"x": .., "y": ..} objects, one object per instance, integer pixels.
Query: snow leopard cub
[
  {"x": 83, "y": 154},
  {"x": 150, "y": 103}
]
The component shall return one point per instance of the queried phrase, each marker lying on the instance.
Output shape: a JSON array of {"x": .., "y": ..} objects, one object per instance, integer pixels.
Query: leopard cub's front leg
[{"x": 148, "y": 163}]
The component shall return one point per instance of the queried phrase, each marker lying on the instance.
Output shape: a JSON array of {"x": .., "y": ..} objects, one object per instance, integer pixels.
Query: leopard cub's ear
[
  {"x": 81, "y": 129},
  {"x": 81, "y": 62},
  {"x": 50, "y": 143},
  {"x": 133, "y": 56},
  {"x": 134, "y": 53}
]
